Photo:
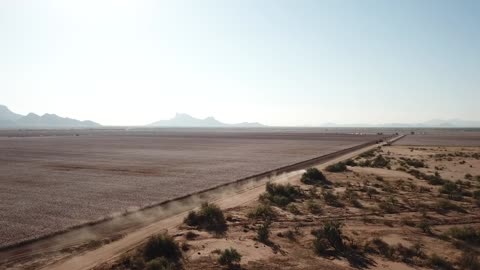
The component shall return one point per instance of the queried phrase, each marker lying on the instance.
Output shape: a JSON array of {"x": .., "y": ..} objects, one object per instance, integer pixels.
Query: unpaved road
[{"x": 112, "y": 251}]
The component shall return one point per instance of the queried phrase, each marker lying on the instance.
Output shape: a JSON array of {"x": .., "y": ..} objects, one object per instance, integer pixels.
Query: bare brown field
[
  {"x": 445, "y": 138},
  {"x": 418, "y": 210},
  {"x": 52, "y": 181}
]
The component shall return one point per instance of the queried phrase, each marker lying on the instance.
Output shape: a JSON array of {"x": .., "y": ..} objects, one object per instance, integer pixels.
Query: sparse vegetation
[
  {"x": 229, "y": 257},
  {"x": 330, "y": 236},
  {"x": 162, "y": 245},
  {"x": 331, "y": 199},
  {"x": 314, "y": 177},
  {"x": 262, "y": 211},
  {"x": 263, "y": 233},
  {"x": 337, "y": 167},
  {"x": 437, "y": 262},
  {"x": 210, "y": 217},
  {"x": 467, "y": 234},
  {"x": 280, "y": 195}
]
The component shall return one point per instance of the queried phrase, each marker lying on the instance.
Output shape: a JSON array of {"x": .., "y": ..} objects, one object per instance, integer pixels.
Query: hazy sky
[{"x": 277, "y": 62}]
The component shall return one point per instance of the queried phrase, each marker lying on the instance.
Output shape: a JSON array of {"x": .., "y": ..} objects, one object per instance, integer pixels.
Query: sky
[{"x": 288, "y": 63}]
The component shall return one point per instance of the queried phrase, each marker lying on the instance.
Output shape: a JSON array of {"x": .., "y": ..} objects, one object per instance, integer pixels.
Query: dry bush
[{"x": 281, "y": 195}]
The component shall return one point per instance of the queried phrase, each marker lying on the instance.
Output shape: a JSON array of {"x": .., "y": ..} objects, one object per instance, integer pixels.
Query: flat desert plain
[
  {"x": 443, "y": 138},
  {"x": 53, "y": 180}
]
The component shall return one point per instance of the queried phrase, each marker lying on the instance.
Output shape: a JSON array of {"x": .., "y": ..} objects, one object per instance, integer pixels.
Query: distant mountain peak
[
  {"x": 32, "y": 120},
  {"x": 186, "y": 120}
]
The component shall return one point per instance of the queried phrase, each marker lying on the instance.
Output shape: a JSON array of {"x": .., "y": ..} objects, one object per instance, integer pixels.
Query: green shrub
[
  {"x": 161, "y": 245},
  {"x": 293, "y": 209},
  {"x": 383, "y": 248},
  {"x": 368, "y": 154},
  {"x": 414, "y": 162},
  {"x": 229, "y": 257},
  {"x": 314, "y": 207},
  {"x": 331, "y": 199},
  {"x": 332, "y": 233},
  {"x": 160, "y": 264},
  {"x": 314, "y": 177},
  {"x": 210, "y": 217},
  {"x": 380, "y": 162},
  {"x": 263, "y": 233},
  {"x": 190, "y": 235},
  {"x": 425, "y": 226},
  {"x": 337, "y": 167},
  {"x": 281, "y": 195}
]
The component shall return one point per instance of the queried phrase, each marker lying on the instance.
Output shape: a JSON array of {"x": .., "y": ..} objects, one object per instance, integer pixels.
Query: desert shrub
[
  {"x": 292, "y": 208},
  {"x": 383, "y": 248},
  {"x": 425, "y": 226},
  {"x": 337, "y": 167},
  {"x": 262, "y": 211},
  {"x": 454, "y": 191},
  {"x": 281, "y": 195},
  {"x": 476, "y": 194},
  {"x": 467, "y": 234},
  {"x": 314, "y": 177},
  {"x": 437, "y": 262},
  {"x": 352, "y": 197},
  {"x": 380, "y": 162},
  {"x": 160, "y": 264},
  {"x": 135, "y": 262},
  {"x": 407, "y": 254},
  {"x": 161, "y": 245},
  {"x": 444, "y": 206},
  {"x": 210, "y": 217},
  {"x": 350, "y": 162},
  {"x": 389, "y": 206},
  {"x": 332, "y": 233},
  {"x": 314, "y": 207},
  {"x": 414, "y": 162},
  {"x": 468, "y": 176},
  {"x": 408, "y": 222},
  {"x": 263, "y": 233},
  {"x": 331, "y": 199},
  {"x": 229, "y": 257},
  {"x": 368, "y": 154},
  {"x": 190, "y": 235},
  {"x": 469, "y": 261}
]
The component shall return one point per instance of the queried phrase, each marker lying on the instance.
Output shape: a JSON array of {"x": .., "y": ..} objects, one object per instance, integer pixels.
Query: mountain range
[
  {"x": 435, "y": 123},
  {"x": 185, "y": 120},
  {"x": 9, "y": 119}
]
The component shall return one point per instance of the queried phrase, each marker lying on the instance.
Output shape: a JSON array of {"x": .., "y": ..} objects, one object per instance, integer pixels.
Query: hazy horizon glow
[{"x": 126, "y": 62}]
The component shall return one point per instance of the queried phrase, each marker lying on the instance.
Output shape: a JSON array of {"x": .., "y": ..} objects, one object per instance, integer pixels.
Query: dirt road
[{"x": 132, "y": 240}]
